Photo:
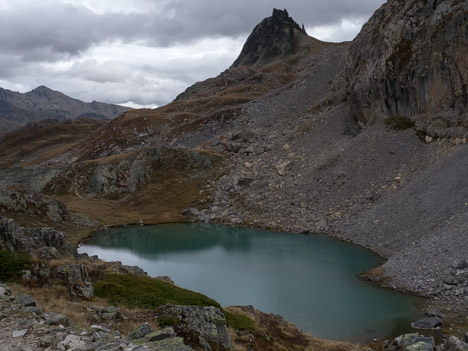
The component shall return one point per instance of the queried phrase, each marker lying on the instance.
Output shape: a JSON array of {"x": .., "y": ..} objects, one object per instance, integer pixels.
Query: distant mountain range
[{"x": 18, "y": 109}]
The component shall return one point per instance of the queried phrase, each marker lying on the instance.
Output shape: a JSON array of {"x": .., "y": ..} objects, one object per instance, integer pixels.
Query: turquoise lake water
[{"x": 310, "y": 280}]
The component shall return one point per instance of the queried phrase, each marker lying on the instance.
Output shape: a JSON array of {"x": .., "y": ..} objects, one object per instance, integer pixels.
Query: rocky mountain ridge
[{"x": 42, "y": 103}]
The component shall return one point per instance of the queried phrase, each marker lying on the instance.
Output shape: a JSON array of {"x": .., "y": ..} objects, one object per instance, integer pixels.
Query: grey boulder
[{"x": 427, "y": 323}]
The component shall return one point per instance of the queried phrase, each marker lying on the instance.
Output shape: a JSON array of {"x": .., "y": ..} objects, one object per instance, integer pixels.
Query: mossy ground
[
  {"x": 11, "y": 265},
  {"x": 143, "y": 292},
  {"x": 148, "y": 293}
]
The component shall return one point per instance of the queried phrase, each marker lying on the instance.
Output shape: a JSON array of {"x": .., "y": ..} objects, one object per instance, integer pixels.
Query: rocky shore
[
  {"x": 25, "y": 326},
  {"x": 70, "y": 317}
]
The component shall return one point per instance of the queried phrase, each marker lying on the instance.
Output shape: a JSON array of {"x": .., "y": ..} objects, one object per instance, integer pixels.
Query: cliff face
[{"x": 411, "y": 60}]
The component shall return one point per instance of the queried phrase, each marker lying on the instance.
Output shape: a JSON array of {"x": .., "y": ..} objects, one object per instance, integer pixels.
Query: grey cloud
[
  {"x": 35, "y": 35},
  {"x": 66, "y": 29},
  {"x": 109, "y": 71}
]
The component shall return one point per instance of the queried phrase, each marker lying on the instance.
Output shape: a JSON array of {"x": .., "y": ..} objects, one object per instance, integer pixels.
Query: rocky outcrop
[
  {"x": 23, "y": 326},
  {"x": 96, "y": 179},
  {"x": 34, "y": 178},
  {"x": 24, "y": 199},
  {"x": 413, "y": 342},
  {"x": 203, "y": 327},
  {"x": 46, "y": 243},
  {"x": 122, "y": 176},
  {"x": 410, "y": 60},
  {"x": 275, "y": 38}
]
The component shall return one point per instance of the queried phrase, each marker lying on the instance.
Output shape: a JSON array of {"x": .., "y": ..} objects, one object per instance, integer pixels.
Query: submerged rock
[{"x": 427, "y": 323}]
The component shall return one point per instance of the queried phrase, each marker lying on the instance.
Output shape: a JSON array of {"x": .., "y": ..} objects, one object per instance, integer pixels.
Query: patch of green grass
[
  {"x": 11, "y": 265},
  {"x": 165, "y": 321},
  {"x": 399, "y": 123},
  {"x": 239, "y": 321},
  {"x": 148, "y": 293}
]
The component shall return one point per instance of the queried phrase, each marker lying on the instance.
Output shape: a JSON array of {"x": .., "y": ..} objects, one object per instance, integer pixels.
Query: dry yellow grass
[
  {"x": 36, "y": 144},
  {"x": 58, "y": 300}
]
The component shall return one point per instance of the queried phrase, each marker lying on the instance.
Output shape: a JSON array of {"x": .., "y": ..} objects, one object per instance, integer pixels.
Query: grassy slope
[
  {"x": 148, "y": 293},
  {"x": 38, "y": 142},
  {"x": 11, "y": 264}
]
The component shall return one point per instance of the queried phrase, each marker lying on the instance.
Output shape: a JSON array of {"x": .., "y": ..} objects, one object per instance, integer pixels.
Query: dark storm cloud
[{"x": 48, "y": 30}]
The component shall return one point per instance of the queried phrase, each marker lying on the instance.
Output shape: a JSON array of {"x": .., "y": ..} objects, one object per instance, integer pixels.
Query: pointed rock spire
[{"x": 270, "y": 40}]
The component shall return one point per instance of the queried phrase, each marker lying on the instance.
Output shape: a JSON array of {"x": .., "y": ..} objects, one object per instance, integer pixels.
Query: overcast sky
[{"x": 145, "y": 52}]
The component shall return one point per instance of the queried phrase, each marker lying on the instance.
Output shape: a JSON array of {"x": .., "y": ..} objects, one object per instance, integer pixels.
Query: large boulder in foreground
[{"x": 200, "y": 326}]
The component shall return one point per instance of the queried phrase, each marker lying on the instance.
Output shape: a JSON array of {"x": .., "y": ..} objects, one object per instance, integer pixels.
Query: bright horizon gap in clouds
[{"x": 143, "y": 54}]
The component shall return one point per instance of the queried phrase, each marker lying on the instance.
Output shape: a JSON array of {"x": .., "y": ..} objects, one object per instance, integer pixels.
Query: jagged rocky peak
[
  {"x": 411, "y": 60},
  {"x": 272, "y": 39}
]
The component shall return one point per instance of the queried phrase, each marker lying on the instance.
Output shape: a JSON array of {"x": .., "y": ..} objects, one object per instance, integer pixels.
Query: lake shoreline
[{"x": 361, "y": 274}]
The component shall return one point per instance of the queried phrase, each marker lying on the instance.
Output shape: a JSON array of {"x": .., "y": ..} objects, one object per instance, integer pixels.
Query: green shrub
[
  {"x": 11, "y": 265},
  {"x": 148, "y": 293},
  {"x": 399, "y": 123},
  {"x": 239, "y": 321}
]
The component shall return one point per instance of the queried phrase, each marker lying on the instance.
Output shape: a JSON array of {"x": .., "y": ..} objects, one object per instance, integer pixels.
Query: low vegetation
[
  {"x": 239, "y": 321},
  {"x": 143, "y": 292},
  {"x": 148, "y": 293},
  {"x": 11, "y": 265}
]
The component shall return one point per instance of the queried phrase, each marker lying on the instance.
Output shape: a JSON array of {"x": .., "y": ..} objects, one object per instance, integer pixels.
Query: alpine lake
[{"x": 311, "y": 280}]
